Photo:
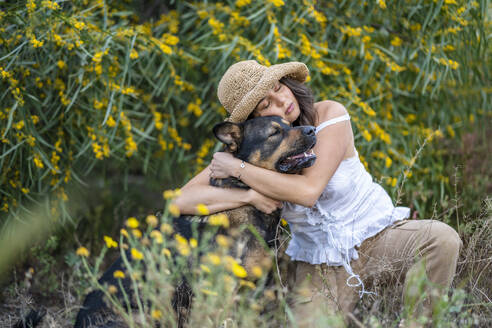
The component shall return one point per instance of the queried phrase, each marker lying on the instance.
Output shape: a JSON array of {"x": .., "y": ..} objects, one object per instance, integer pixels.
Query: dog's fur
[{"x": 268, "y": 142}]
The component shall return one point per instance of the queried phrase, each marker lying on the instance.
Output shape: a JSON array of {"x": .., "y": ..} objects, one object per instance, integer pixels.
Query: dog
[{"x": 267, "y": 142}]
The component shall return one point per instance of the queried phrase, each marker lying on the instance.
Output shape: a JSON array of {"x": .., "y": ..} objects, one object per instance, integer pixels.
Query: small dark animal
[
  {"x": 31, "y": 320},
  {"x": 268, "y": 142}
]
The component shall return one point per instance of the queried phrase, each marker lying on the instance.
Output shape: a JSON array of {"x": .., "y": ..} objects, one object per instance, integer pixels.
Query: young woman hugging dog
[{"x": 346, "y": 232}]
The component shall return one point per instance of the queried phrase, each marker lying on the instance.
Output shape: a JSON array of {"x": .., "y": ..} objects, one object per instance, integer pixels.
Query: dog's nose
[{"x": 309, "y": 131}]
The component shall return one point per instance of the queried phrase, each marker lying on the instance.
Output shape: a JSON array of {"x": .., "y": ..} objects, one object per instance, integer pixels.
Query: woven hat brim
[{"x": 246, "y": 106}]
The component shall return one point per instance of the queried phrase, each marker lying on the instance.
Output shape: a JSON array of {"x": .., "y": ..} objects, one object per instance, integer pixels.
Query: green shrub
[
  {"x": 88, "y": 87},
  {"x": 223, "y": 291}
]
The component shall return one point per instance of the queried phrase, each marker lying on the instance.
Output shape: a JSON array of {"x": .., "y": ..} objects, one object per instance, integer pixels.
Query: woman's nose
[{"x": 280, "y": 101}]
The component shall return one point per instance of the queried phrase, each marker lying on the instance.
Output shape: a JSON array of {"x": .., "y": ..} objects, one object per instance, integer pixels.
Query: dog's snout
[{"x": 309, "y": 131}]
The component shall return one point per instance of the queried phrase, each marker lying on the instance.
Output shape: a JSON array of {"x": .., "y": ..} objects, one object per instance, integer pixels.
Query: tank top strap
[{"x": 324, "y": 124}]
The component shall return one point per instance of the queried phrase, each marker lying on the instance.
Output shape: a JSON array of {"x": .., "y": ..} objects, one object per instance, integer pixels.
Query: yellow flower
[
  {"x": 387, "y": 162},
  {"x": 366, "y": 39},
  {"x": 183, "y": 249},
  {"x": 124, "y": 232},
  {"x": 396, "y": 41},
  {"x": 257, "y": 271},
  {"x": 180, "y": 239},
  {"x": 247, "y": 283},
  {"x": 61, "y": 64},
  {"x": 450, "y": 130},
  {"x": 170, "y": 39},
  {"x": 166, "y": 252},
  {"x": 213, "y": 258},
  {"x": 219, "y": 220},
  {"x": 36, "y": 43},
  {"x": 242, "y": 3},
  {"x": 167, "y": 228},
  {"x": 165, "y": 48},
  {"x": 119, "y": 274},
  {"x": 19, "y": 125},
  {"x": 453, "y": 64},
  {"x": 82, "y": 251},
  {"x": 30, "y": 5},
  {"x": 410, "y": 118},
  {"x": 97, "y": 57},
  {"x": 168, "y": 194},
  {"x": 110, "y": 242},
  {"x": 182, "y": 245},
  {"x": 366, "y": 135},
  {"x": 156, "y": 314},
  {"x": 111, "y": 122},
  {"x": 222, "y": 240},
  {"x": 157, "y": 236},
  {"x": 205, "y": 268},
  {"x": 132, "y": 223},
  {"x": 209, "y": 292},
  {"x": 415, "y": 27},
  {"x": 238, "y": 270},
  {"x": 136, "y": 233},
  {"x": 112, "y": 289},
  {"x": 202, "y": 209},
  {"x": 203, "y": 13},
  {"x": 50, "y": 4},
  {"x": 136, "y": 254},
  {"x": 193, "y": 243},
  {"x": 174, "y": 210},
  {"x": 133, "y": 54},
  {"x": 283, "y": 222},
  {"x": 152, "y": 221},
  {"x": 79, "y": 25},
  {"x": 277, "y": 3}
]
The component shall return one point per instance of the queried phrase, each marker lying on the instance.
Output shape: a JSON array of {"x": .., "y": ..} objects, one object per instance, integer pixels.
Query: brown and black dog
[{"x": 268, "y": 142}]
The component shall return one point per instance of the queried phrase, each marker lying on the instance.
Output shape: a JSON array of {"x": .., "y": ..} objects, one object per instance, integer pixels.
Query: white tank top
[{"x": 350, "y": 209}]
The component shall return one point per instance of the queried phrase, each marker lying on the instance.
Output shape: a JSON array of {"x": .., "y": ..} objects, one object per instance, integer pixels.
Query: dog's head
[{"x": 269, "y": 142}]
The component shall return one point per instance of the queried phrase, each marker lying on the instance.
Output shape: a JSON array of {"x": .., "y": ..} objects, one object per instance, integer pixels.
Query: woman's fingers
[
  {"x": 263, "y": 203},
  {"x": 221, "y": 165}
]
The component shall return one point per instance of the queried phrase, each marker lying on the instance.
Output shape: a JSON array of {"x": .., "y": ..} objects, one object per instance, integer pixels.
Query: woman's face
[{"x": 280, "y": 101}]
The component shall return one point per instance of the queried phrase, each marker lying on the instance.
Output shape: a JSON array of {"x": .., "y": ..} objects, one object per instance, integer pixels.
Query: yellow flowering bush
[
  {"x": 216, "y": 279},
  {"x": 89, "y": 85}
]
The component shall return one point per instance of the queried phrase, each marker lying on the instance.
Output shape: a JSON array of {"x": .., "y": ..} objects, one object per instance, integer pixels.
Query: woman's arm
[
  {"x": 304, "y": 189},
  {"x": 199, "y": 191}
]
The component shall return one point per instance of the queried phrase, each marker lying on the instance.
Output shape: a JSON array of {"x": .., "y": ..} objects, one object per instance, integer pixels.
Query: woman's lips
[{"x": 289, "y": 109}]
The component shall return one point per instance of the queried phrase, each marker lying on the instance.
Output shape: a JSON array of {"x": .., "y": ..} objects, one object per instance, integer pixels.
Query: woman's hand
[
  {"x": 263, "y": 203},
  {"x": 224, "y": 165}
]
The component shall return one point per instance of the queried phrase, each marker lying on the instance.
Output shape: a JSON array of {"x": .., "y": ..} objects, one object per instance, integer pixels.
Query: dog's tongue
[{"x": 305, "y": 154}]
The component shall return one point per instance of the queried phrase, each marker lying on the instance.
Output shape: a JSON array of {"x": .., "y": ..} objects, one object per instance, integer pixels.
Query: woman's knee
[{"x": 445, "y": 238}]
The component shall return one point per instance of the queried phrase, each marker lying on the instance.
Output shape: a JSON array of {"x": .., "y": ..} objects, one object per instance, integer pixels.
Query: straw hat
[{"x": 245, "y": 83}]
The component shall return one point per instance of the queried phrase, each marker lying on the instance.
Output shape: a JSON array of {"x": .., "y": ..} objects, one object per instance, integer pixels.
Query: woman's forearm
[
  {"x": 216, "y": 199},
  {"x": 294, "y": 188}
]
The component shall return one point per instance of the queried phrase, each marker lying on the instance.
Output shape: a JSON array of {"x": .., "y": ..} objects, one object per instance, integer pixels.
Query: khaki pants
[{"x": 398, "y": 252}]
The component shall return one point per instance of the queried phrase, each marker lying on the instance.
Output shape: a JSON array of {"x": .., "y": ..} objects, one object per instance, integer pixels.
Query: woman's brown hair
[{"x": 304, "y": 96}]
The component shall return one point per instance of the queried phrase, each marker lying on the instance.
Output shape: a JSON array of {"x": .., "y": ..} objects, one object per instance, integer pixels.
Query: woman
[{"x": 345, "y": 229}]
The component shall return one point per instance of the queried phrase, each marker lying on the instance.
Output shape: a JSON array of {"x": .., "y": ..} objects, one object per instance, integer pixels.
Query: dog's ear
[{"x": 230, "y": 134}]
